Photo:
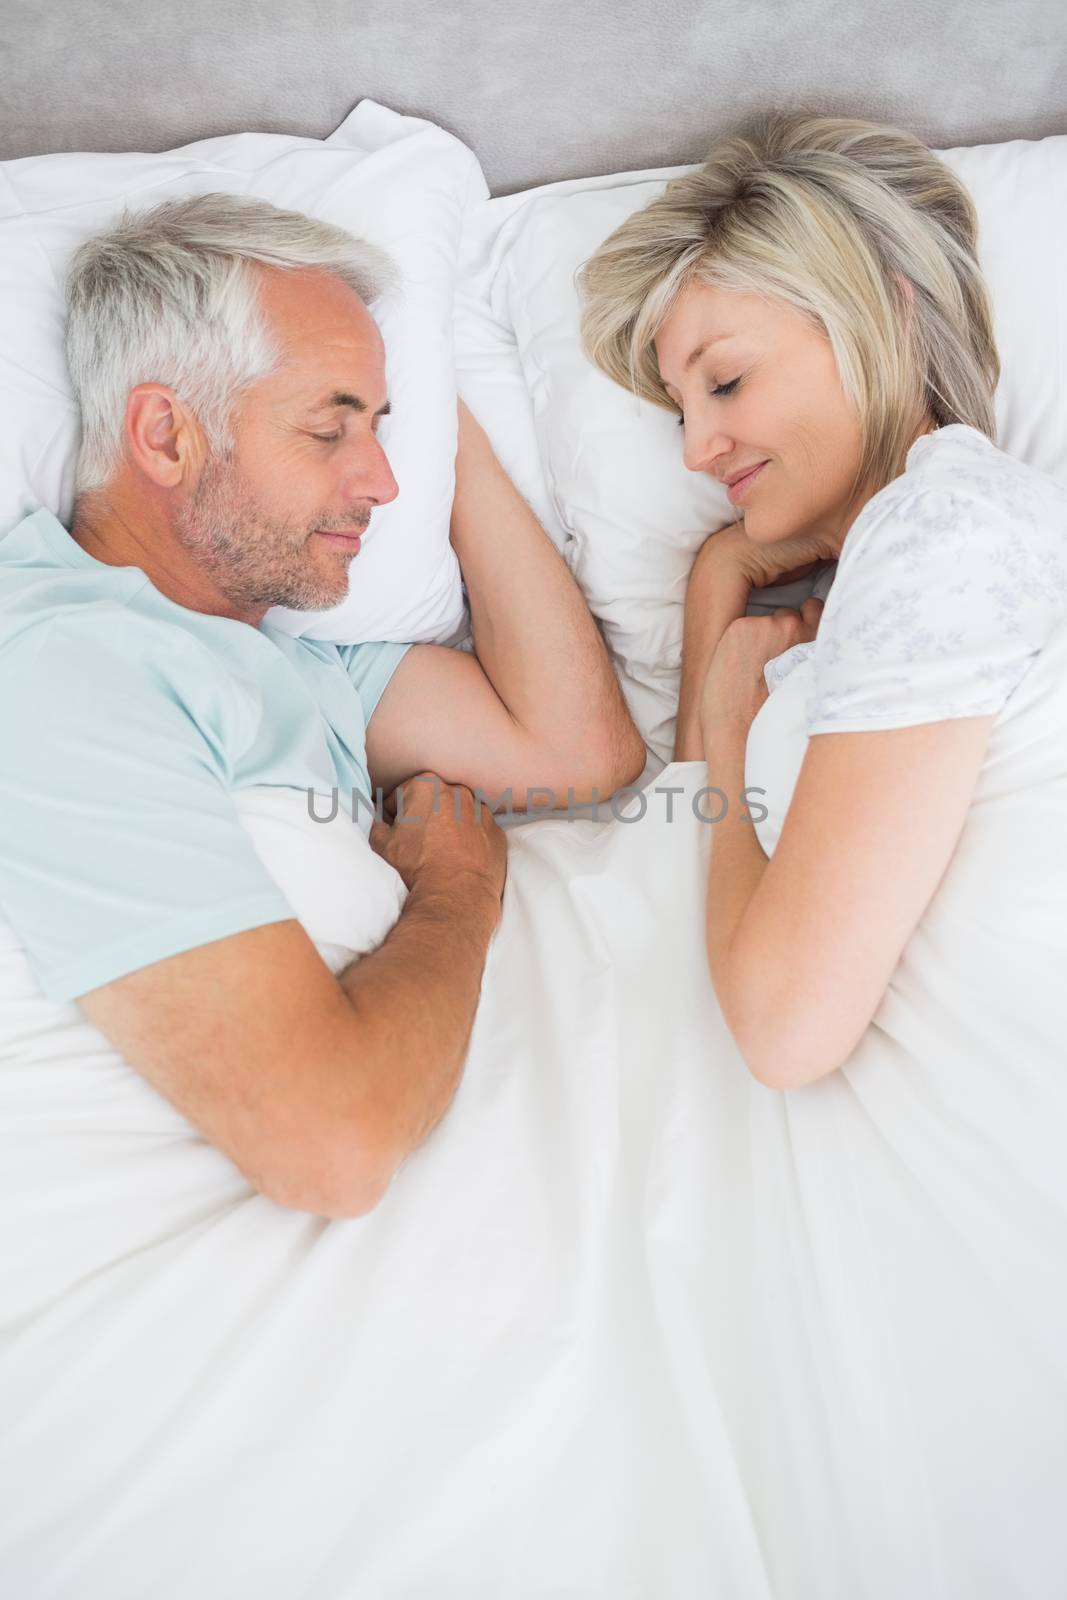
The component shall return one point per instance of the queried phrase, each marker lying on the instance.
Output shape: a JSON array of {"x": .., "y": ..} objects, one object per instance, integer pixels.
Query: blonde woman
[
  {"x": 881, "y": 1302},
  {"x": 810, "y": 305}
]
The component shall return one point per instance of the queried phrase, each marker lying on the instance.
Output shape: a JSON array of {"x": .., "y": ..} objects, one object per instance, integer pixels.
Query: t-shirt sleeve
[
  {"x": 938, "y": 609},
  {"x": 120, "y": 842},
  {"x": 370, "y": 666}
]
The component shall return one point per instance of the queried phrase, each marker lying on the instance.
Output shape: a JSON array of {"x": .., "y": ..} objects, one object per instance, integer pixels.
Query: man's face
[{"x": 276, "y": 520}]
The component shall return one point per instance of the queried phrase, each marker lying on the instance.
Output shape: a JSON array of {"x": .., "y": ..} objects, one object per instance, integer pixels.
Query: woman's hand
[
  {"x": 763, "y": 564},
  {"x": 735, "y": 688},
  {"x": 729, "y": 565}
]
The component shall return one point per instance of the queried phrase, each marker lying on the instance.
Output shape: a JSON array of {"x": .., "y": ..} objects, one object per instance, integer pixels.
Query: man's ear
[{"x": 164, "y": 438}]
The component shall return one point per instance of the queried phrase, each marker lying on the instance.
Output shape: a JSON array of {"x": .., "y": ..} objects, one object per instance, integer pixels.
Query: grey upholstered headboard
[{"x": 540, "y": 89}]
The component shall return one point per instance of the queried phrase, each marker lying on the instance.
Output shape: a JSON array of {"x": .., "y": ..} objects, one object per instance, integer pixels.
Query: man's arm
[
  {"x": 541, "y": 705},
  {"x": 317, "y": 1087}
]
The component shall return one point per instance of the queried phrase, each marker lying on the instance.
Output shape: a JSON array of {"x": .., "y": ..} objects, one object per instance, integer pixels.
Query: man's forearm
[
  {"x": 415, "y": 999},
  {"x": 533, "y": 633}
]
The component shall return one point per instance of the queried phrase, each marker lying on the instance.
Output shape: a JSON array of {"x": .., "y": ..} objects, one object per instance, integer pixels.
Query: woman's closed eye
[{"x": 716, "y": 393}]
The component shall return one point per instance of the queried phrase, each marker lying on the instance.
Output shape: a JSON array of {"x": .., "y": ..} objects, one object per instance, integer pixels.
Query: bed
[{"x": 629, "y": 1326}]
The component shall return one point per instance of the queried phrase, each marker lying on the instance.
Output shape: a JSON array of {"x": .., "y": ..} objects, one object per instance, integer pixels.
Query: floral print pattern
[{"x": 947, "y": 587}]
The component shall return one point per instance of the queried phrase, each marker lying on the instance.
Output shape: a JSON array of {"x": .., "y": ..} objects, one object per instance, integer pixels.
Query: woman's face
[{"x": 760, "y": 395}]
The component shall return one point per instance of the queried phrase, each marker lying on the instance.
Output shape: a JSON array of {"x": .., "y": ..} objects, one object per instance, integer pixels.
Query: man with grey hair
[{"x": 231, "y": 380}]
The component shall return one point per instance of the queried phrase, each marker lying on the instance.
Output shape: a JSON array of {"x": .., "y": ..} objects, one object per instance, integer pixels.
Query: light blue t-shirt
[{"x": 127, "y": 722}]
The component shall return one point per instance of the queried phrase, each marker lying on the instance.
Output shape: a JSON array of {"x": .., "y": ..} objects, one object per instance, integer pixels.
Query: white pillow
[
  {"x": 633, "y": 515},
  {"x": 489, "y": 373},
  {"x": 399, "y": 181}
]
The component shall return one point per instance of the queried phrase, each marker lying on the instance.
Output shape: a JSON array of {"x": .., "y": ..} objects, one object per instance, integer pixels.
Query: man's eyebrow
[
  {"x": 342, "y": 397},
  {"x": 699, "y": 351}
]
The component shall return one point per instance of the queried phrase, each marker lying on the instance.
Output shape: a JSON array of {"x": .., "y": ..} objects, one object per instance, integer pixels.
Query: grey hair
[
  {"x": 856, "y": 225},
  {"x": 169, "y": 296}
]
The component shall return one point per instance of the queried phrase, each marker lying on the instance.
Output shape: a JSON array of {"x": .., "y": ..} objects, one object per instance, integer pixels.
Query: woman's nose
[{"x": 703, "y": 447}]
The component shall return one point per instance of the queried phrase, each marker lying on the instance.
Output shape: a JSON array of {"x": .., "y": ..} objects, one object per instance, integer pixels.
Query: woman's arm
[
  {"x": 802, "y": 947},
  {"x": 717, "y": 595}
]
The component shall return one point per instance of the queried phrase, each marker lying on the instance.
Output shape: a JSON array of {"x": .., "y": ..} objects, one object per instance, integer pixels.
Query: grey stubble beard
[{"x": 254, "y": 559}]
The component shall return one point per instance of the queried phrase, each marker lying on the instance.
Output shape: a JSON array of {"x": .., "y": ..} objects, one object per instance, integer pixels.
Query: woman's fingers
[
  {"x": 807, "y": 617},
  {"x": 810, "y": 612}
]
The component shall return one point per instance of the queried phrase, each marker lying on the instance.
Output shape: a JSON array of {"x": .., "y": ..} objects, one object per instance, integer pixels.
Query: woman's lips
[{"x": 738, "y": 490}]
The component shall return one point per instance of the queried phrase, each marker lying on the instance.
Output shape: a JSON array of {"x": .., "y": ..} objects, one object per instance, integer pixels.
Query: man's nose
[{"x": 373, "y": 478}]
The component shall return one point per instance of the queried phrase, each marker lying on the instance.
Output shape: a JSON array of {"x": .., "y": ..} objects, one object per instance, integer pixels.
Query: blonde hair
[{"x": 859, "y": 227}]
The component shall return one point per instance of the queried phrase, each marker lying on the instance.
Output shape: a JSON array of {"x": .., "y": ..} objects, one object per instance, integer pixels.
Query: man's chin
[
  {"x": 313, "y": 586},
  {"x": 316, "y": 602},
  {"x": 322, "y": 598}
]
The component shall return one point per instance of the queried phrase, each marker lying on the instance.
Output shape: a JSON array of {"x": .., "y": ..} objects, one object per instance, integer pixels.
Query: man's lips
[
  {"x": 737, "y": 487},
  {"x": 343, "y": 541}
]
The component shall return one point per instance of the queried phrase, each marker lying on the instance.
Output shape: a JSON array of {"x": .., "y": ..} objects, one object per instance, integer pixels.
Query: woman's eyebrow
[{"x": 699, "y": 351}]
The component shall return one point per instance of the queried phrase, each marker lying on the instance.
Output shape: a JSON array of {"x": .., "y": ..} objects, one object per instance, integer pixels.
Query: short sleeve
[
  {"x": 120, "y": 844},
  {"x": 939, "y": 607},
  {"x": 370, "y": 666}
]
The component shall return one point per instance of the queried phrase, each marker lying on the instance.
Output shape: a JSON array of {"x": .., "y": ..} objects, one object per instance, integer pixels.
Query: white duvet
[{"x": 629, "y": 1324}]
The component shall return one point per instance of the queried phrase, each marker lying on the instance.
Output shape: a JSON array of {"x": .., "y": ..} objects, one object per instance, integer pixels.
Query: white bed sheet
[{"x": 629, "y": 1326}]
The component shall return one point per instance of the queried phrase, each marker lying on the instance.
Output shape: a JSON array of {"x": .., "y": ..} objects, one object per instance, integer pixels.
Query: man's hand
[
  {"x": 442, "y": 838},
  {"x": 319, "y": 1086}
]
